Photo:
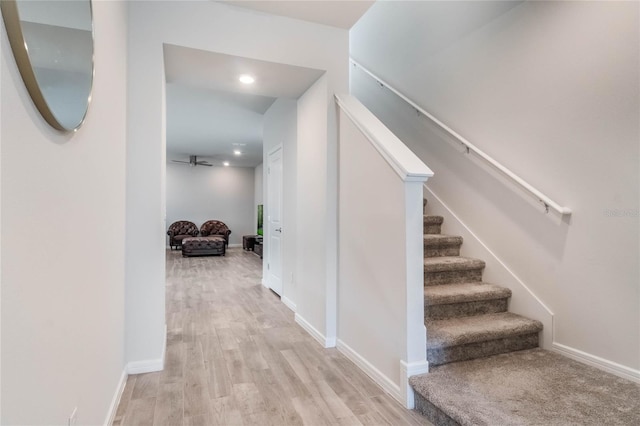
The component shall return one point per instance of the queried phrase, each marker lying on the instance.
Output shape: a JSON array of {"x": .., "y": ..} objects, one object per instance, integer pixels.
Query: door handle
[{"x": 278, "y": 229}]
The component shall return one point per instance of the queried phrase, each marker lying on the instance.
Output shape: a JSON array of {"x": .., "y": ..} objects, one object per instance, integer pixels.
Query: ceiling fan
[{"x": 193, "y": 161}]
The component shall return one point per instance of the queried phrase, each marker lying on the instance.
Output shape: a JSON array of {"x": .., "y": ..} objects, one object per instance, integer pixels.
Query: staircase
[{"x": 465, "y": 317}]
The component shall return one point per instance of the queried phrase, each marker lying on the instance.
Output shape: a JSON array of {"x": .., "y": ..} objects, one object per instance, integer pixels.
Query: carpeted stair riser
[
  {"x": 463, "y": 338},
  {"x": 441, "y": 251},
  {"x": 464, "y": 299},
  {"x": 438, "y": 245},
  {"x": 432, "y": 224},
  {"x": 454, "y": 310},
  {"x": 450, "y": 277},
  {"x": 465, "y": 319},
  {"x": 438, "y": 356},
  {"x": 432, "y": 229},
  {"x": 433, "y": 413},
  {"x": 452, "y": 269}
]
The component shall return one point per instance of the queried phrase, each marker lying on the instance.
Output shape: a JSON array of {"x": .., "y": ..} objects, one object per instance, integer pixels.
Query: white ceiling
[
  {"x": 217, "y": 71},
  {"x": 212, "y": 124},
  {"x": 210, "y": 113},
  {"x": 341, "y": 14}
]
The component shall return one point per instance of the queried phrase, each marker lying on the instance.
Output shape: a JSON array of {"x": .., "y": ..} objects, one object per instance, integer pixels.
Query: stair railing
[
  {"x": 380, "y": 251},
  {"x": 546, "y": 202}
]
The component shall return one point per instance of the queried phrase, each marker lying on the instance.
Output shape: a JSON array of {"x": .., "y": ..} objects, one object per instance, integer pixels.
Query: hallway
[{"x": 235, "y": 356}]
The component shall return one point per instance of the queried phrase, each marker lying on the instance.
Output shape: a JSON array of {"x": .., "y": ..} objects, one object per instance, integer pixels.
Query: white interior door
[{"x": 274, "y": 221}]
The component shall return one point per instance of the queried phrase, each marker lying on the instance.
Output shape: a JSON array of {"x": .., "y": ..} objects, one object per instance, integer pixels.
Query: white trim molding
[
  {"x": 288, "y": 303},
  {"x": 415, "y": 357},
  {"x": 376, "y": 375},
  {"x": 115, "y": 401},
  {"x": 149, "y": 365},
  {"x": 401, "y": 159},
  {"x": 331, "y": 342},
  {"x": 406, "y": 371},
  {"x": 146, "y": 366},
  {"x": 320, "y": 338},
  {"x": 597, "y": 362}
]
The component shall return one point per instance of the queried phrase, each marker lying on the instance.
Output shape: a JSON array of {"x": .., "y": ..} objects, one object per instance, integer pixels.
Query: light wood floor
[{"x": 236, "y": 357}]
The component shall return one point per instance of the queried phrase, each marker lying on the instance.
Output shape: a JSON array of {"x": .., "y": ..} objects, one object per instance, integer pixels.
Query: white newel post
[{"x": 416, "y": 338}]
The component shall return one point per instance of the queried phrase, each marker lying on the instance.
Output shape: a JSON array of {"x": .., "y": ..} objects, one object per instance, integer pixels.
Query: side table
[{"x": 248, "y": 241}]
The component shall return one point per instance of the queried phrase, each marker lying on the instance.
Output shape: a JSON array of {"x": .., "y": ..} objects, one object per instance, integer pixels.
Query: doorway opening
[{"x": 231, "y": 137}]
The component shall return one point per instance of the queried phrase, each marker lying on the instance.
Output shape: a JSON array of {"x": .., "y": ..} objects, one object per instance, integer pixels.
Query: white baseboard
[
  {"x": 326, "y": 343},
  {"x": 406, "y": 371},
  {"x": 288, "y": 303},
  {"x": 146, "y": 366},
  {"x": 150, "y": 365},
  {"x": 376, "y": 375},
  {"x": 234, "y": 245},
  {"x": 597, "y": 362},
  {"x": 264, "y": 283},
  {"x": 331, "y": 342},
  {"x": 113, "y": 408}
]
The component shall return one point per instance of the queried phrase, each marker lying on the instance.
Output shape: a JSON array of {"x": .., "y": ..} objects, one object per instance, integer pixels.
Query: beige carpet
[{"x": 531, "y": 387}]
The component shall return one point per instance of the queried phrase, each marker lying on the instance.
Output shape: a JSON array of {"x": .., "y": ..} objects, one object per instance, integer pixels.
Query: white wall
[
  {"x": 215, "y": 27},
  {"x": 2, "y": 47},
  {"x": 372, "y": 275},
  {"x": 280, "y": 128},
  {"x": 63, "y": 219},
  {"x": 312, "y": 216},
  {"x": 550, "y": 89},
  {"x": 258, "y": 197},
  {"x": 203, "y": 193}
]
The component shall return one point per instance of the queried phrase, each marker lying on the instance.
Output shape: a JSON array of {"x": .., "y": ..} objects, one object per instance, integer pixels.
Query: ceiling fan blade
[
  {"x": 199, "y": 163},
  {"x": 178, "y": 161}
]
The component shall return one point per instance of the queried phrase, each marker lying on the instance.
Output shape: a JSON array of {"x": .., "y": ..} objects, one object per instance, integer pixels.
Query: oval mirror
[{"x": 52, "y": 42}]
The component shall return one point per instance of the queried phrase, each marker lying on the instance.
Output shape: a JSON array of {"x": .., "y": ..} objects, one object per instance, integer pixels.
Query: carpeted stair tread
[
  {"x": 463, "y": 293},
  {"x": 431, "y": 224},
  {"x": 529, "y": 387},
  {"x": 432, "y": 220},
  {"x": 431, "y": 240},
  {"x": 464, "y": 330},
  {"x": 451, "y": 263}
]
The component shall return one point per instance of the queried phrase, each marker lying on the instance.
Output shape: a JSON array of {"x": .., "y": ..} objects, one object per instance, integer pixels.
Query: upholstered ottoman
[{"x": 203, "y": 246}]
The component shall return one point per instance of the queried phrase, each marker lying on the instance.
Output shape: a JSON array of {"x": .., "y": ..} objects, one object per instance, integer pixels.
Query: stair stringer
[{"x": 523, "y": 301}]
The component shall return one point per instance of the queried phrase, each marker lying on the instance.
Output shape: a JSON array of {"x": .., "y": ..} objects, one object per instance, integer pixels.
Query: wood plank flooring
[{"x": 236, "y": 357}]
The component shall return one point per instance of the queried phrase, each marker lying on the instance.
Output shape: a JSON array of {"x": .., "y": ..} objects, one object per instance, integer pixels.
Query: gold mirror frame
[{"x": 19, "y": 47}]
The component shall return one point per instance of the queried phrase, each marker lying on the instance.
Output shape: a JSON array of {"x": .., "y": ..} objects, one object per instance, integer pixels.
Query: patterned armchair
[
  {"x": 214, "y": 227},
  {"x": 180, "y": 230}
]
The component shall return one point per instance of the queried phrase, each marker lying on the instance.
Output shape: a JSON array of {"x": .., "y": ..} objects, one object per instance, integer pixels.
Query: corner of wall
[
  {"x": 149, "y": 365},
  {"x": 326, "y": 342},
  {"x": 115, "y": 401}
]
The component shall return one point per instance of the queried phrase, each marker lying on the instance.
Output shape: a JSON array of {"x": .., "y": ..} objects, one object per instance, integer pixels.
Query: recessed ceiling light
[
  {"x": 237, "y": 152},
  {"x": 246, "y": 79},
  {"x": 226, "y": 164}
]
